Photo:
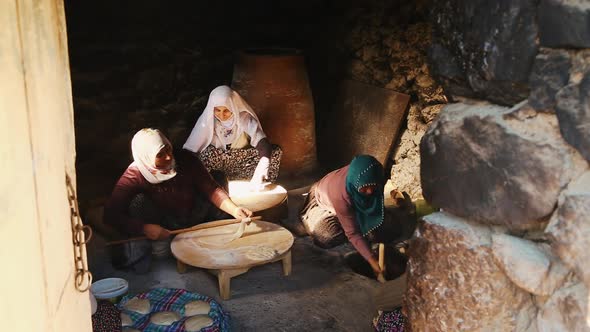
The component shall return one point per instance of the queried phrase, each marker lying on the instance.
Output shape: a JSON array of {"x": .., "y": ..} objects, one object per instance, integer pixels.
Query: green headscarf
[{"x": 365, "y": 170}]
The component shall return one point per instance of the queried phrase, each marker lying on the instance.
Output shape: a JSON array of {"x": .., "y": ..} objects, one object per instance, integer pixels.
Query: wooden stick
[
  {"x": 382, "y": 256},
  {"x": 381, "y": 277},
  {"x": 211, "y": 224}
]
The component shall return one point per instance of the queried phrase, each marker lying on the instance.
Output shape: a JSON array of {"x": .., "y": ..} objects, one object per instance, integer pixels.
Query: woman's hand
[
  {"x": 260, "y": 173},
  {"x": 241, "y": 212},
  {"x": 155, "y": 232},
  {"x": 379, "y": 273}
]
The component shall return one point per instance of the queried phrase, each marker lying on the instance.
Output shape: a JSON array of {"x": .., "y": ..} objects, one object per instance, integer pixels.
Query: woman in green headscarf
[{"x": 347, "y": 204}]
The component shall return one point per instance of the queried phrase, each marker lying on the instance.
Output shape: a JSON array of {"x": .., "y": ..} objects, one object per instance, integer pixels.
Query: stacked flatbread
[{"x": 196, "y": 311}]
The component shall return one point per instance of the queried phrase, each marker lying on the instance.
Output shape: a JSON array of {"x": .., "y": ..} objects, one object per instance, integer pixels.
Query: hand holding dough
[{"x": 223, "y": 239}]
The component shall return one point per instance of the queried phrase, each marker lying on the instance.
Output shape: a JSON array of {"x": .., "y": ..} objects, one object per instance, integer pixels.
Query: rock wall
[
  {"x": 512, "y": 177},
  {"x": 154, "y": 64},
  {"x": 384, "y": 44}
]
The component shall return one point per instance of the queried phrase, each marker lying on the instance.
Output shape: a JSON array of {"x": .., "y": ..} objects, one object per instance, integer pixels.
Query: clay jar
[{"x": 275, "y": 83}]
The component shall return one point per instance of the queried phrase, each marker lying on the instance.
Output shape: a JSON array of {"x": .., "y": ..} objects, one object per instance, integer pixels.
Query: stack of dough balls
[
  {"x": 164, "y": 318},
  {"x": 141, "y": 306},
  {"x": 196, "y": 311}
]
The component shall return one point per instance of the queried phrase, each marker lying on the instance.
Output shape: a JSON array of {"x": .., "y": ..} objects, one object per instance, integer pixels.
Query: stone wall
[
  {"x": 384, "y": 44},
  {"x": 510, "y": 169},
  {"x": 154, "y": 63}
]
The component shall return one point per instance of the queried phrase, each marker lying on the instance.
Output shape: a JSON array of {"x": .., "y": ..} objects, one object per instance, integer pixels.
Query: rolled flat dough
[
  {"x": 196, "y": 323},
  {"x": 164, "y": 318},
  {"x": 141, "y": 306},
  {"x": 126, "y": 320},
  {"x": 261, "y": 253},
  {"x": 196, "y": 308},
  {"x": 223, "y": 239}
]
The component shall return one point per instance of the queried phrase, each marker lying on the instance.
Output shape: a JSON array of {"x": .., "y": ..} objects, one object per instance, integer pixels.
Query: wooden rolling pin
[
  {"x": 381, "y": 276},
  {"x": 211, "y": 224}
]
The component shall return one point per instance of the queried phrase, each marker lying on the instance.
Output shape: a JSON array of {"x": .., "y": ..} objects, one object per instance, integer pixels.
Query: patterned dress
[
  {"x": 239, "y": 164},
  {"x": 390, "y": 321}
]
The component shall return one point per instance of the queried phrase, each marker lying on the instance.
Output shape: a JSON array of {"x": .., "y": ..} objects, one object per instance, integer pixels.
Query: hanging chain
[{"x": 80, "y": 238}]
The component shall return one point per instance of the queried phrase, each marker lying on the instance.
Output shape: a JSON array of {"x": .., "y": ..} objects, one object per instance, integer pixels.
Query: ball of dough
[
  {"x": 141, "y": 306},
  {"x": 164, "y": 318},
  {"x": 196, "y": 308},
  {"x": 126, "y": 320},
  {"x": 196, "y": 323}
]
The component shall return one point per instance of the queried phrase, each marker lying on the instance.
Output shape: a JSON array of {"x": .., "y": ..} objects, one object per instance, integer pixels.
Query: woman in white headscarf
[
  {"x": 228, "y": 137},
  {"x": 161, "y": 191}
]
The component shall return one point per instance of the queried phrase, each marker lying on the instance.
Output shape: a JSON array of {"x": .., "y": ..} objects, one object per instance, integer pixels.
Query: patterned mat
[{"x": 171, "y": 299}]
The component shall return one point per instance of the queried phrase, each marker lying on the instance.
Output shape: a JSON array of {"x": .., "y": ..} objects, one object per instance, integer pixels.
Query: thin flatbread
[
  {"x": 224, "y": 239},
  {"x": 261, "y": 253},
  {"x": 164, "y": 318},
  {"x": 141, "y": 306},
  {"x": 196, "y": 323},
  {"x": 196, "y": 308}
]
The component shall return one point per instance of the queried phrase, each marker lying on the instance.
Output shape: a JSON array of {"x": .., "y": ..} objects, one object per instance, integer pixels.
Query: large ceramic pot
[{"x": 275, "y": 83}]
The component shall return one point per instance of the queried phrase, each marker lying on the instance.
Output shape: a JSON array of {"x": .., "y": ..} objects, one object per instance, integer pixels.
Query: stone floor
[{"x": 321, "y": 294}]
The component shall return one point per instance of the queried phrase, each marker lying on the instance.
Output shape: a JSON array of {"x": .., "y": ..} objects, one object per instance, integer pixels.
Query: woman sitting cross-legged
[
  {"x": 162, "y": 191},
  {"x": 347, "y": 204},
  {"x": 228, "y": 137}
]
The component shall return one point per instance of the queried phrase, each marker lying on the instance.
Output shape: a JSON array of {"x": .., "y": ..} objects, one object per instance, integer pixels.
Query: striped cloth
[{"x": 172, "y": 299}]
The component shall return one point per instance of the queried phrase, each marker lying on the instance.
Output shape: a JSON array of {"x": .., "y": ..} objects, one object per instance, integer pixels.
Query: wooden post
[
  {"x": 382, "y": 257},
  {"x": 224, "y": 280},
  {"x": 224, "y": 285},
  {"x": 181, "y": 267},
  {"x": 287, "y": 263}
]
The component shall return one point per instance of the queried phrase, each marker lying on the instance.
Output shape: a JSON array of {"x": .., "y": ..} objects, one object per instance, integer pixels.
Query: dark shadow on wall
[{"x": 151, "y": 63}]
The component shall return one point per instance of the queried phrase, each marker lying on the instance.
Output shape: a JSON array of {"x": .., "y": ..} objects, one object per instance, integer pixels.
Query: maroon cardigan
[
  {"x": 176, "y": 195},
  {"x": 331, "y": 193}
]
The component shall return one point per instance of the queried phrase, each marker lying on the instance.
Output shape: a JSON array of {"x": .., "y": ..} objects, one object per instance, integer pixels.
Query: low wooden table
[{"x": 262, "y": 243}]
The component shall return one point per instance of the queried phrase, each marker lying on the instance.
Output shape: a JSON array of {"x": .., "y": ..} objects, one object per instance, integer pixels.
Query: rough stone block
[
  {"x": 564, "y": 23},
  {"x": 573, "y": 105},
  {"x": 550, "y": 74},
  {"x": 485, "y": 49},
  {"x": 570, "y": 227},
  {"x": 496, "y": 165},
  {"x": 531, "y": 266},
  {"x": 454, "y": 283},
  {"x": 565, "y": 310}
]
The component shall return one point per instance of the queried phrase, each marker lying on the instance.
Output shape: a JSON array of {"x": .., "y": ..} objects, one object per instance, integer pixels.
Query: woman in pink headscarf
[{"x": 228, "y": 137}]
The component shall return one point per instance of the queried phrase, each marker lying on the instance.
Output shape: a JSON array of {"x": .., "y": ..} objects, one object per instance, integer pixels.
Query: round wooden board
[
  {"x": 270, "y": 196},
  {"x": 262, "y": 242}
]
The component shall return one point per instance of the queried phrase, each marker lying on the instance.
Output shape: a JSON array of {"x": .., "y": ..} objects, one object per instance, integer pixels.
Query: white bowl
[{"x": 111, "y": 289}]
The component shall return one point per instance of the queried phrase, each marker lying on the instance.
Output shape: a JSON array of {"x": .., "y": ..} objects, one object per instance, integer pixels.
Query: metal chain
[{"x": 80, "y": 237}]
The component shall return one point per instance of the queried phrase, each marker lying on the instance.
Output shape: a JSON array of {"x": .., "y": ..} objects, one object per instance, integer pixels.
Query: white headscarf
[
  {"x": 243, "y": 119},
  {"x": 145, "y": 146}
]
